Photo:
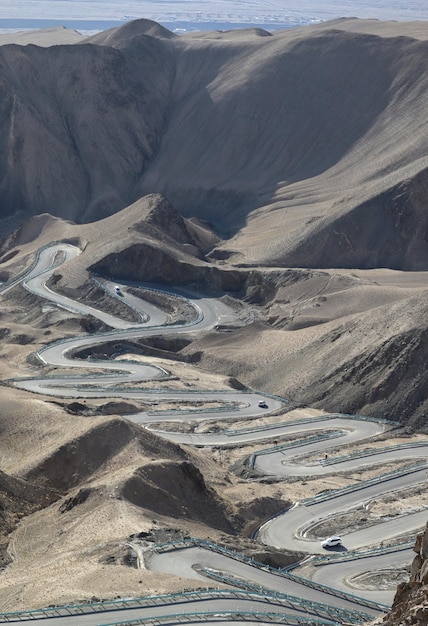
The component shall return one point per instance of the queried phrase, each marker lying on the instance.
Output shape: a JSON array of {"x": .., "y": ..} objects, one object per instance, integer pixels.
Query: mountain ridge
[
  {"x": 284, "y": 175},
  {"x": 276, "y": 138}
]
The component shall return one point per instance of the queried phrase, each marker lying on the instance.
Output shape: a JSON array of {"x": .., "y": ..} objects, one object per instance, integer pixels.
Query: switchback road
[{"x": 289, "y": 530}]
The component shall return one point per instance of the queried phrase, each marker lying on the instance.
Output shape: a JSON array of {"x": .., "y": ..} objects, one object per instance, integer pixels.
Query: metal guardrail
[
  {"x": 293, "y": 602},
  {"x": 179, "y": 296},
  {"x": 333, "y": 434},
  {"x": 105, "y": 336},
  {"x": 373, "y": 452},
  {"x": 213, "y": 547},
  {"x": 310, "y": 420},
  {"x": 296, "y": 422},
  {"x": 144, "y": 317},
  {"x": 199, "y": 317},
  {"x": 273, "y": 396},
  {"x": 193, "y": 542},
  {"x": 22, "y": 275},
  {"x": 330, "y": 495},
  {"x": 218, "y": 616},
  {"x": 175, "y": 412},
  {"x": 368, "y": 418},
  {"x": 135, "y": 603},
  {"x": 370, "y": 604},
  {"x": 360, "y": 554}
]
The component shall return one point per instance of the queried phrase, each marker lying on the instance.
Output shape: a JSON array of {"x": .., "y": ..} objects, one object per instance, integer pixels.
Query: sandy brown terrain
[
  {"x": 107, "y": 477},
  {"x": 299, "y": 164}
]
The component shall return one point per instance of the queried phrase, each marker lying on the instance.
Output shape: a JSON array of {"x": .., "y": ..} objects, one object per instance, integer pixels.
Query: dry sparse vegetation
[{"x": 296, "y": 175}]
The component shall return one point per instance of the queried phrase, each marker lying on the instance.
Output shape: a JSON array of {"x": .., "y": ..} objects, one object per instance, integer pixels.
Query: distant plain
[{"x": 208, "y": 15}]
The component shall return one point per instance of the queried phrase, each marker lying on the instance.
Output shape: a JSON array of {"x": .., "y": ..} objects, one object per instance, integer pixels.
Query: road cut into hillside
[{"x": 291, "y": 529}]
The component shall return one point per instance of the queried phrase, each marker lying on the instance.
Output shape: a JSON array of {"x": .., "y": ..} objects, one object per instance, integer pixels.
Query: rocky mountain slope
[
  {"x": 286, "y": 174},
  {"x": 368, "y": 364},
  {"x": 303, "y": 148},
  {"x": 411, "y": 600},
  {"x": 351, "y": 341}
]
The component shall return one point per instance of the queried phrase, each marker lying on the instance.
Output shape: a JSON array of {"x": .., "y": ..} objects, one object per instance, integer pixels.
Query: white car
[
  {"x": 118, "y": 291},
  {"x": 331, "y": 542},
  {"x": 262, "y": 404}
]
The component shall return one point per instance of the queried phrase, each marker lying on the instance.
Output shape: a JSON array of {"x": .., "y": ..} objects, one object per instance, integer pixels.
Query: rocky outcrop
[
  {"x": 411, "y": 600},
  {"x": 160, "y": 246},
  {"x": 164, "y": 223},
  {"x": 152, "y": 262}
]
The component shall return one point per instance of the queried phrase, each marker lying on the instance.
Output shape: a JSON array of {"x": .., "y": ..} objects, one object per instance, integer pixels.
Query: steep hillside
[
  {"x": 303, "y": 148},
  {"x": 388, "y": 230},
  {"x": 80, "y": 124},
  {"x": 334, "y": 341},
  {"x": 18, "y": 498},
  {"x": 286, "y": 175},
  {"x": 411, "y": 600}
]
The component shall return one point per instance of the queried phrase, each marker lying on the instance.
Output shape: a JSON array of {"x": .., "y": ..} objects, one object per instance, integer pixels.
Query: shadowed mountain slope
[
  {"x": 18, "y": 498},
  {"x": 388, "y": 230},
  {"x": 241, "y": 164},
  {"x": 279, "y": 140},
  {"x": 79, "y": 125}
]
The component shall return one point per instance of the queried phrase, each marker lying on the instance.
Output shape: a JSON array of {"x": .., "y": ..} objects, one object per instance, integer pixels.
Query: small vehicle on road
[
  {"x": 262, "y": 404},
  {"x": 331, "y": 542},
  {"x": 118, "y": 291}
]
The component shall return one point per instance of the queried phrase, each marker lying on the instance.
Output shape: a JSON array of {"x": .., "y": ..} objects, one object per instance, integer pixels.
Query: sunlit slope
[
  {"x": 303, "y": 148},
  {"x": 296, "y": 135}
]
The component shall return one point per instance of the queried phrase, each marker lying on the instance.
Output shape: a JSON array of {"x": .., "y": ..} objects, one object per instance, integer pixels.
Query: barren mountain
[
  {"x": 285, "y": 174},
  {"x": 344, "y": 340},
  {"x": 303, "y": 148}
]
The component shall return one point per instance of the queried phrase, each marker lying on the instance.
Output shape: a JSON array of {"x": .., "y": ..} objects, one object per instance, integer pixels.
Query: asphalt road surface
[{"x": 289, "y": 530}]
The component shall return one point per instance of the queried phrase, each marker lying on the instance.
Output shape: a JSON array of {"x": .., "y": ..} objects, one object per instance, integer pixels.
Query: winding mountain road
[{"x": 289, "y": 530}]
